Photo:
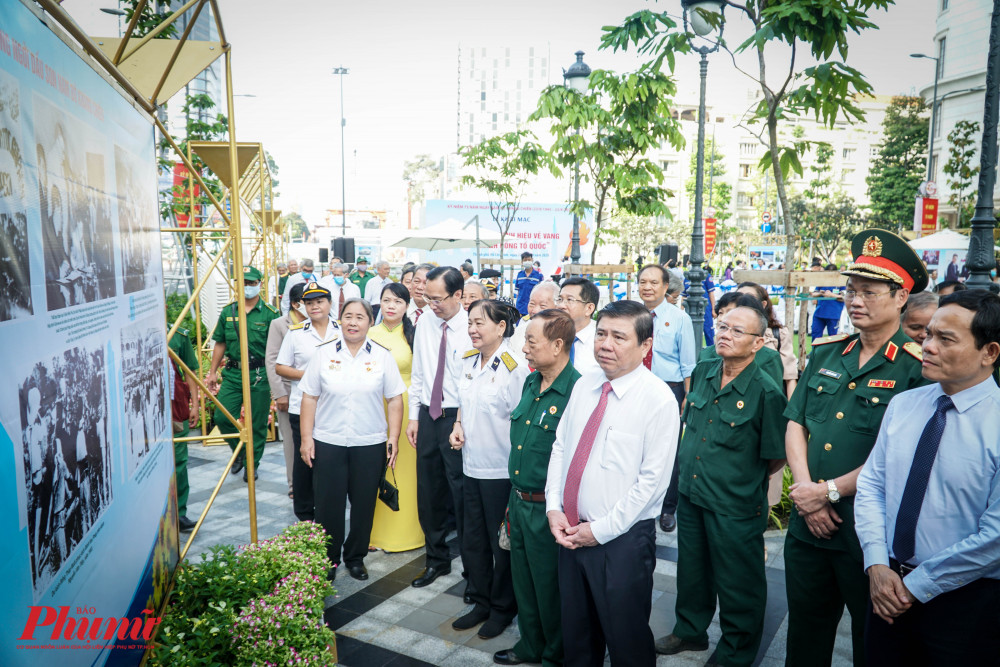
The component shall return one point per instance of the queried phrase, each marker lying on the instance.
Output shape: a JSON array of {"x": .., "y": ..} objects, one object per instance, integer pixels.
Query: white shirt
[
  {"x": 426, "y": 343},
  {"x": 488, "y": 393},
  {"x": 412, "y": 308},
  {"x": 518, "y": 339},
  {"x": 350, "y": 411},
  {"x": 583, "y": 350},
  {"x": 373, "y": 290},
  {"x": 297, "y": 350},
  {"x": 293, "y": 280},
  {"x": 351, "y": 291},
  {"x": 628, "y": 471}
]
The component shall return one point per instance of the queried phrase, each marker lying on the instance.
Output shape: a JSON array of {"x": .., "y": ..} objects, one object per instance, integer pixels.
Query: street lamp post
[
  {"x": 696, "y": 301},
  {"x": 934, "y": 107},
  {"x": 980, "y": 258},
  {"x": 576, "y": 78},
  {"x": 343, "y": 178}
]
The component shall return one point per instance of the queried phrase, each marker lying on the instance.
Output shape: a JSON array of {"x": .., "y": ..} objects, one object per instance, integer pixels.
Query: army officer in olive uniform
[
  {"x": 227, "y": 344},
  {"x": 733, "y": 440},
  {"x": 834, "y": 416},
  {"x": 534, "y": 554}
]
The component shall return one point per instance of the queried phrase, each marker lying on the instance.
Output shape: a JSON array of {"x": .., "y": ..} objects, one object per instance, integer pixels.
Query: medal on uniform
[
  {"x": 739, "y": 405},
  {"x": 368, "y": 367},
  {"x": 882, "y": 384},
  {"x": 335, "y": 364},
  {"x": 552, "y": 410}
]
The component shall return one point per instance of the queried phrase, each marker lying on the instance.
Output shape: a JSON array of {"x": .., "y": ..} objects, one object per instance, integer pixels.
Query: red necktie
[
  {"x": 571, "y": 492},
  {"x": 340, "y": 302},
  {"x": 648, "y": 361},
  {"x": 437, "y": 391},
  {"x": 416, "y": 315}
]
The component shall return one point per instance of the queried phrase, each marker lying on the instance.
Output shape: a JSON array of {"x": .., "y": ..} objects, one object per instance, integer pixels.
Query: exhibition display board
[{"x": 87, "y": 507}]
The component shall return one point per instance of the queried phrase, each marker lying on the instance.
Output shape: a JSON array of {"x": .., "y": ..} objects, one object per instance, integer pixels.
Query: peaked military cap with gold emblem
[
  {"x": 314, "y": 290},
  {"x": 881, "y": 255},
  {"x": 250, "y": 273}
]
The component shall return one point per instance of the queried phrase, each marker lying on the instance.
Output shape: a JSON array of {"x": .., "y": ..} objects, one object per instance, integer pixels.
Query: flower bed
[{"x": 258, "y": 604}]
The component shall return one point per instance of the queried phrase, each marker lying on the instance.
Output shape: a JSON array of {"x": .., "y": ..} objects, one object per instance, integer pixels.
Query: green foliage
[
  {"x": 823, "y": 213},
  {"x": 175, "y": 302},
  {"x": 272, "y": 167},
  {"x": 781, "y": 512},
  {"x": 502, "y": 166},
  {"x": 297, "y": 226},
  {"x": 259, "y": 604},
  {"x": 607, "y": 131},
  {"x": 900, "y": 166},
  {"x": 420, "y": 173},
  {"x": 153, "y": 14},
  {"x": 961, "y": 170}
]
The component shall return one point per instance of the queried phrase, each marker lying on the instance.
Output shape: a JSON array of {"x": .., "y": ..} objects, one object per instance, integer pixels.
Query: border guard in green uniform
[
  {"x": 534, "y": 554},
  {"x": 180, "y": 343},
  {"x": 227, "y": 343},
  {"x": 360, "y": 276},
  {"x": 834, "y": 417}
]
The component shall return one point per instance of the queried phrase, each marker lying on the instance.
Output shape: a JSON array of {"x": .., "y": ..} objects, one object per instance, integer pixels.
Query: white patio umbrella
[{"x": 450, "y": 233}]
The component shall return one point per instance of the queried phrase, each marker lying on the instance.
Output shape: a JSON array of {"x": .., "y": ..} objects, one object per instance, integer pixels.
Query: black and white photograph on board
[
  {"x": 138, "y": 221},
  {"x": 67, "y": 459},
  {"x": 15, "y": 271},
  {"x": 143, "y": 386},
  {"x": 75, "y": 209}
]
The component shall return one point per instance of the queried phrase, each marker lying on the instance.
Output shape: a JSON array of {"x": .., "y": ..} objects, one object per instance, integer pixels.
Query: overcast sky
[{"x": 400, "y": 95}]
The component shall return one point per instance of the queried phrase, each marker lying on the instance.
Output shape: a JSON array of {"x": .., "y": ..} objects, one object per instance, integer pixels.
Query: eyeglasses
[
  {"x": 559, "y": 300},
  {"x": 437, "y": 302},
  {"x": 867, "y": 297},
  {"x": 721, "y": 328}
]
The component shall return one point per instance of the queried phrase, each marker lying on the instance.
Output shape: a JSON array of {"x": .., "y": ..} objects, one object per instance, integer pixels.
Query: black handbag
[{"x": 387, "y": 492}]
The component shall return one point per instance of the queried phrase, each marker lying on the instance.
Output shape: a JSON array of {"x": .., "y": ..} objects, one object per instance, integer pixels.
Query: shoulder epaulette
[
  {"x": 508, "y": 361},
  {"x": 914, "y": 350},
  {"x": 332, "y": 340},
  {"x": 375, "y": 342},
  {"x": 891, "y": 350},
  {"x": 184, "y": 332},
  {"x": 300, "y": 325},
  {"x": 526, "y": 318},
  {"x": 269, "y": 307},
  {"x": 830, "y": 339},
  {"x": 470, "y": 353}
]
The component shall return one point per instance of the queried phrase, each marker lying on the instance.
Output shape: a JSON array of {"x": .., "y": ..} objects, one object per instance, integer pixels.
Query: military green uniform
[
  {"x": 730, "y": 436},
  {"x": 361, "y": 280},
  {"x": 281, "y": 285},
  {"x": 768, "y": 360},
  {"x": 182, "y": 347},
  {"x": 231, "y": 392},
  {"x": 534, "y": 553},
  {"x": 841, "y": 406}
]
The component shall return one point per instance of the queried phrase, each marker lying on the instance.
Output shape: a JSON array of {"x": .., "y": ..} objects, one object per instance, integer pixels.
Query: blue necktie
[
  {"x": 904, "y": 538},
  {"x": 572, "y": 349}
]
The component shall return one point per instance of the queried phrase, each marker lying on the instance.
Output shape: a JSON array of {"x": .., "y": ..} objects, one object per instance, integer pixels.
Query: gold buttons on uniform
[
  {"x": 527, "y": 422},
  {"x": 827, "y": 447},
  {"x": 709, "y": 421},
  {"x": 698, "y": 458},
  {"x": 519, "y": 446},
  {"x": 819, "y": 388},
  {"x": 538, "y": 399},
  {"x": 875, "y": 400},
  {"x": 851, "y": 385},
  {"x": 517, "y": 472},
  {"x": 694, "y": 476},
  {"x": 840, "y": 415},
  {"x": 715, "y": 401},
  {"x": 732, "y": 424}
]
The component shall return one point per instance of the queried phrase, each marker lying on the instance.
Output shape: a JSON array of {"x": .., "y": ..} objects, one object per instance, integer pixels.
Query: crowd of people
[{"x": 553, "y": 435}]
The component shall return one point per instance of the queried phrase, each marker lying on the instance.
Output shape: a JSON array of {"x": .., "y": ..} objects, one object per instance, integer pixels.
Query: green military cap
[
  {"x": 314, "y": 290},
  {"x": 250, "y": 273},
  {"x": 881, "y": 255},
  {"x": 362, "y": 260}
]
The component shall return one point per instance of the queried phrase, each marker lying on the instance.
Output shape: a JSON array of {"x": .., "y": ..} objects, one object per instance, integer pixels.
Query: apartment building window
[
  {"x": 944, "y": 5},
  {"x": 941, "y": 53},
  {"x": 934, "y": 167},
  {"x": 846, "y": 175},
  {"x": 748, "y": 149},
  {"x": 744, "y": 199},
  {"x": 746, "y": 170},
  {"x": 669, "y": 167},
  {"x": 873, "y": 151},
  {"x": 848, "y": 154}
]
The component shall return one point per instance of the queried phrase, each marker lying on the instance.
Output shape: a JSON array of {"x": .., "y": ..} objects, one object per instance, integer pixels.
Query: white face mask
[
  {"x": 251, "y": 292},
  {"x": 527, "y": 266}
]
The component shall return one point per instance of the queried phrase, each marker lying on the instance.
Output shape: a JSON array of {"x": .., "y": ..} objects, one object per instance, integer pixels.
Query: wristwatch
[{"x": 832, "y": 494}]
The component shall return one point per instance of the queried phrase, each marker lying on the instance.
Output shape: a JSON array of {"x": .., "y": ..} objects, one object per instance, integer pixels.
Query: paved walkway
[{"x": 385, "y": 622}]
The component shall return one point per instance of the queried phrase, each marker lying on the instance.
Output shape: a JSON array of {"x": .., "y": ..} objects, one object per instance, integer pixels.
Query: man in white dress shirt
[
  {"x": 341, "y": 289},
  {"x": 304, "y": 276},
  {"x": 543, "y": 297},
  {"x": 418, "y": 306},
  {"x": 608, "y": 472},
  {"x": 373, "y": 290},
  {"x": 441, "y": 338},
  {"x": 578, "y": 297}
]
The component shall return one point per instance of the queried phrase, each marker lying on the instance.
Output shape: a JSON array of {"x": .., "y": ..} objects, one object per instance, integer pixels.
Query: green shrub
[
  {"x": 781, "y": 512},
  {"x": 254, "y": 605}
]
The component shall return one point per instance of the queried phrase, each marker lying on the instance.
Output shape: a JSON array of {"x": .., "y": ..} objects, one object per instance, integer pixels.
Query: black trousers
[
  {"x": 488, "y": 566},
  {"x": 439, "y": 473},
  {"x": 606, "y": 599},
  {"x": 960, "y": 627},
  {"x": 340, "y": 473},
  {"x": 670, "y": 500},
  {"x": 303, "y": 502}
]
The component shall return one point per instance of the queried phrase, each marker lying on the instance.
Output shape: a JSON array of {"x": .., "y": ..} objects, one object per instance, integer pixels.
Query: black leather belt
[
  {"x": 900, "y": 568},
  {"x": 253, "y": 365}
]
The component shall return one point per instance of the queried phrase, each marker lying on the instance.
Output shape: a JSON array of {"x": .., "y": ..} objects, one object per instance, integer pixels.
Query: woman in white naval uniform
[
  {"x": 346, "y": 438},
  {"x": 489, "y": 389}
]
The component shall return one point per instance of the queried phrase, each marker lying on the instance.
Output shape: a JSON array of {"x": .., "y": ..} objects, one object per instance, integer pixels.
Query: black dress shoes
[
  {"x": 507, "y": 657},
  {"x": 672, "y": 644},
  {"x": 358, "y": 572},
  {"x": 429, "y": 575},
  {"x": 492, "y": 629},
  {"x": 254, "y": 475},
  {"x": 467, "y": 596},
  {"x": 237, "y": 466},
  {"x": 185, "y": 524},
  {"x": 667, "y": 523},
  {"x": 472, "y": 619},
  {"x": 331, "y": 574}
]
